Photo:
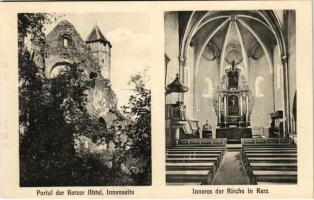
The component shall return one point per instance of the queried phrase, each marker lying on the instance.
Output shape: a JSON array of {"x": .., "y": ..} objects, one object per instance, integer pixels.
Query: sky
[{"x": 130, "y": 36}]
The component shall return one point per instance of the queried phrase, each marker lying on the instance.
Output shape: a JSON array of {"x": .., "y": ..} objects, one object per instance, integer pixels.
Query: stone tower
[{"x": 101, "y": 50}]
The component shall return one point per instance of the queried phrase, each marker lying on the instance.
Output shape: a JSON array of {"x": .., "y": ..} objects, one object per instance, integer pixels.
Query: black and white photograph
[
  {"x": 84, "y": 99},
  {"x": 231, "y": 97}
]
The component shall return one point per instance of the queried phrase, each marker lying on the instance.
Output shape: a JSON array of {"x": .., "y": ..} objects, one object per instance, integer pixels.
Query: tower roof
[{"x": 96, "y": 35}]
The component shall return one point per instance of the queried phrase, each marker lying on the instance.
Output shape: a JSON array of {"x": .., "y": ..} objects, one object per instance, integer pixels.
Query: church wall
[
  {"x": 207, "y": 72},
  {"x": 263, "y": 99},
  {"x": 171, "y": 49}
]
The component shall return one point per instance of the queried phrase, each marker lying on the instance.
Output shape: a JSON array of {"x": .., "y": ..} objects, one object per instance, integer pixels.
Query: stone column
[
  {"x": 287, "y": 125},
  {"x": 241, "y": 109},
  {"x": 225, "y": 111},
  {"x": 274, "y": 90},
  {"x": 247, "y": 107},
  {"x": 218, "y": 108},
  {"x": 182, "y": 63},
  {"x": 225, "y": 106}
]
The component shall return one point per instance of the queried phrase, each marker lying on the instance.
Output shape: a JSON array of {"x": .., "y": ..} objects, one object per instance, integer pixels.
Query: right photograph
[{"x": 230, "y": 94}]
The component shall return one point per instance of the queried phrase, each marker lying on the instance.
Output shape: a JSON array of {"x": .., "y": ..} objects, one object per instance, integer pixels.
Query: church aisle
[{"x": 231, "y": 170}]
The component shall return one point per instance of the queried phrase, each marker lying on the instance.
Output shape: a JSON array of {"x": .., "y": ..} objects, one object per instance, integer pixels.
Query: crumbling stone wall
[
  {"x": 101, "y": 99},
  {"x": 75, "y": 52}
]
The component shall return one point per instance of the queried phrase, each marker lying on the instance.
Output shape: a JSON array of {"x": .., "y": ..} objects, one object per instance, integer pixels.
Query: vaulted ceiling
[{"x": 229, "y": 34}]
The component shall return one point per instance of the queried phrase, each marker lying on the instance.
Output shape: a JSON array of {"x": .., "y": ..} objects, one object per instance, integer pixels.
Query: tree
[
  {"x": 134, "y": 155},
  {"x": 33, "y": 25},
  {"x": 30, "y": 84}
]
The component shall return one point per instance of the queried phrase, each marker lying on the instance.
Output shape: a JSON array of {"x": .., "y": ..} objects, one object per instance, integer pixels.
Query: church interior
[{"x": 230, "y": 93}]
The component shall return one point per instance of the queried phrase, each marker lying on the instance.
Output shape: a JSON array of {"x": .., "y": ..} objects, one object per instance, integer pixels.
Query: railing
[
  {"x": 217, "y": 141},
  {"x": 267, "y": 141}
]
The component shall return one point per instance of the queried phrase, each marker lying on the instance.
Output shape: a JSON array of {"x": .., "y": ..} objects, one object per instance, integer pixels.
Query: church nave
[{"x": 230, "y": 92}]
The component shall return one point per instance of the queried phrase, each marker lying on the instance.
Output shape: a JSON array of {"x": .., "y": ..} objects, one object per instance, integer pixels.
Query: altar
[
  {"x": 233, "y": 104},
  {"x": 234, "y": 134}
]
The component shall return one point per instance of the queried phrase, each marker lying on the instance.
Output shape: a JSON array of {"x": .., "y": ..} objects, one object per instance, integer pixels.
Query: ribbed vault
[{"x": 261, "y": 30}]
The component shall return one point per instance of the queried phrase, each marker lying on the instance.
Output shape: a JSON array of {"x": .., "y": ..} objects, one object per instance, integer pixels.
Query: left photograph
[{"x": 84, "y": 99}]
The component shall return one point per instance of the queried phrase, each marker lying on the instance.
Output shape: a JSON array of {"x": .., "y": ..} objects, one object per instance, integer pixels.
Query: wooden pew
[
  {"x": 199, "y": 148},
  {"x": 266, "y": 155},
  {"x": 269, "y": 150},
  {"x": 280, "y": 148},
  {"x": 191, "y": 166},
  {"x": 210, "y": 155},
  {"x": 274, "y": 152},
  {"x": 273, "y": 183},
  {"x": 220, "y": 152},
  {"x": 274, "y": 176},
  {"x": 186, "y": 155},
  {"x": 181, "y": 172},
  {"x": 274, "y": 166},
  {"x": 189, "y": 160},
  {"x": 194, "y": 161},
  {"x": 272, "y": 160},
  {"x": 203, "y": 176},
  {"x": 184, "y": 183}
]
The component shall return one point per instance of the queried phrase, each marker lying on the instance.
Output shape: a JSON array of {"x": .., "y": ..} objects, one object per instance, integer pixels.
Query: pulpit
[{"x": 233, "y": 104}]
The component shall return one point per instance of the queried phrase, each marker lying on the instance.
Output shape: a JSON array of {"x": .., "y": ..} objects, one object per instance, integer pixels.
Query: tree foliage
[
  {"x": 135, "y": 153},
  {"x": 33, "y": 25},
  {"x": 47, "y": 149}
]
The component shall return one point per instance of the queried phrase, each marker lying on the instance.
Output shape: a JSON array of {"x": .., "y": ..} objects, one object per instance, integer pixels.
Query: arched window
[
  {"x": 57, "y": 70},
  {"x": 259, "y": 87},
  {"x": 241, "y": 69},
  {"x": 65, "y": 42},
  {"x": 208, "y": 91}
]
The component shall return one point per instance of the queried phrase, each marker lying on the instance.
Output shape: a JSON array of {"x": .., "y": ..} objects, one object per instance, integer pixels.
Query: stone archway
[{"x": 59, "y": 68}]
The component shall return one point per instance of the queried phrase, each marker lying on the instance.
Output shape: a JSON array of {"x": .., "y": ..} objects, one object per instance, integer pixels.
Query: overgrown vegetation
[{"x": 54, "y": 123}]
